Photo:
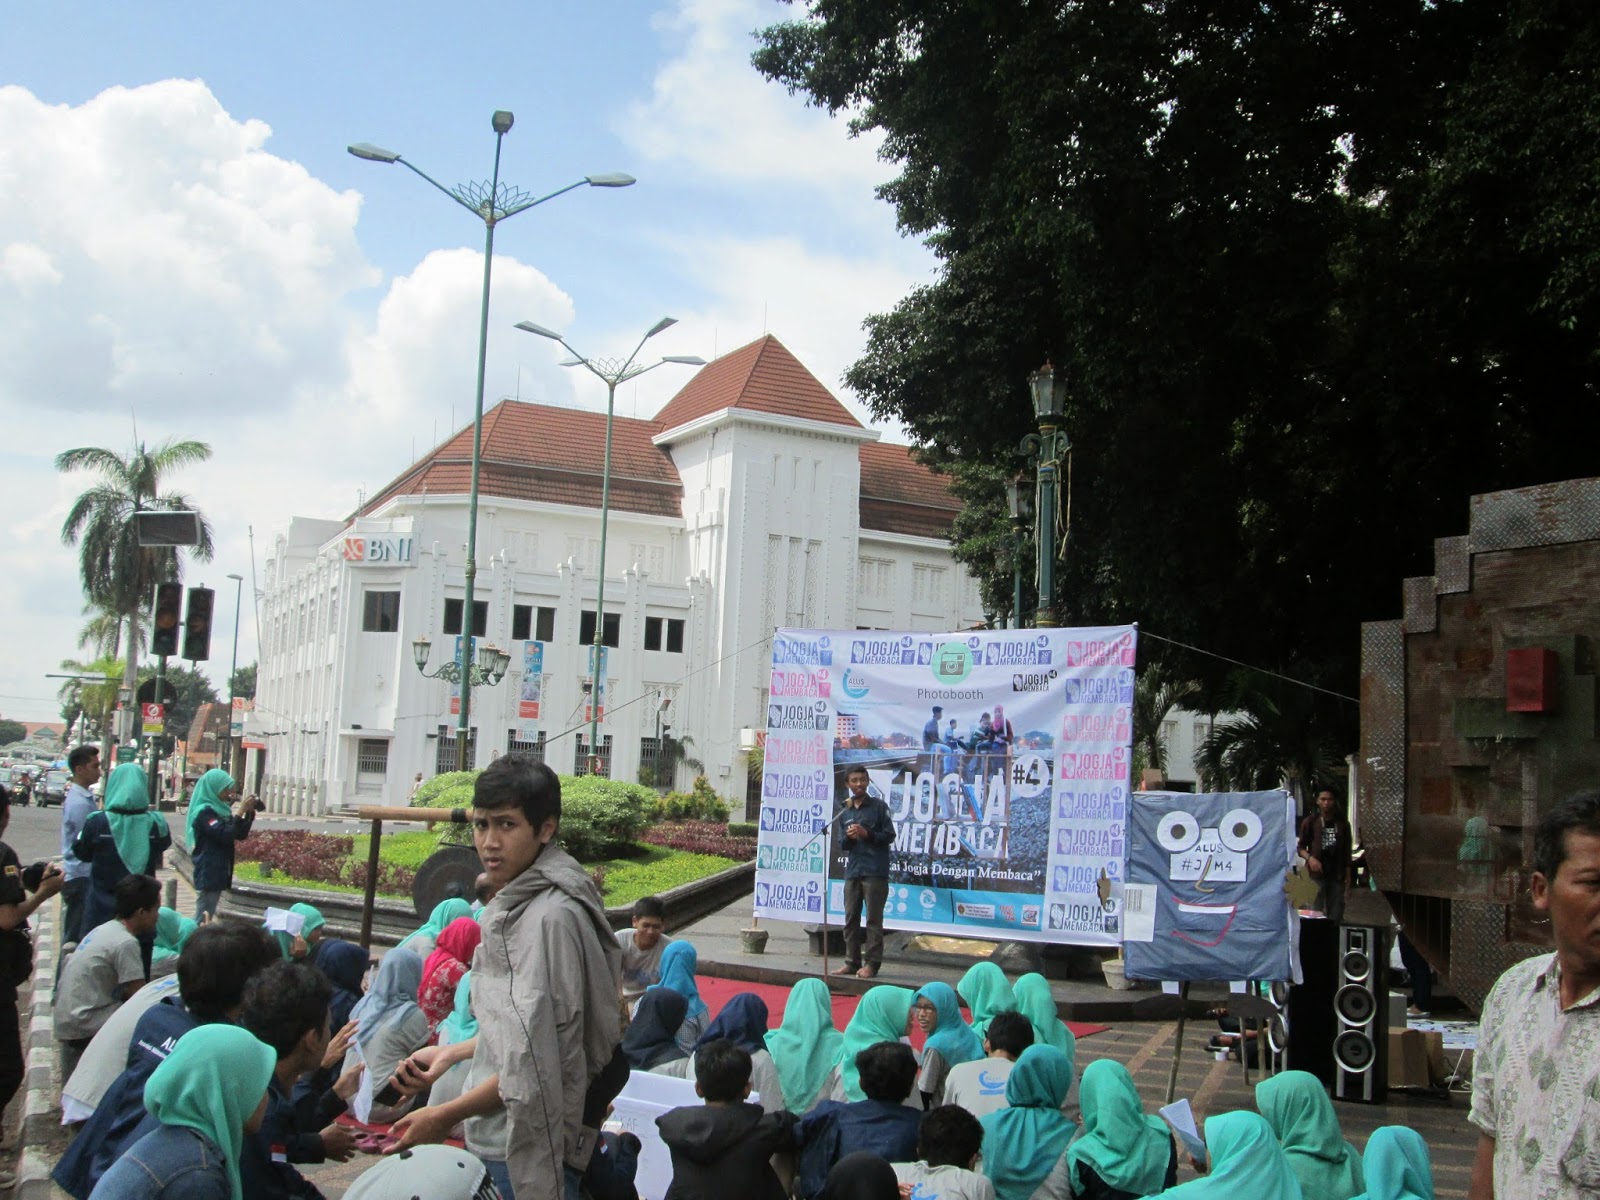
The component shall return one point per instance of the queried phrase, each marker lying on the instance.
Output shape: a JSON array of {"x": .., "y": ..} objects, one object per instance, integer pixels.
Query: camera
[{"x": 33, "y": 875}]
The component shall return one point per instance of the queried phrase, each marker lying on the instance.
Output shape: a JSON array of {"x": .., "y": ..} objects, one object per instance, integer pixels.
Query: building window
[
  {"x": 444, "y": 759},
  {"x": 521, "y": 622},
  {"x": 663, "y": 633},
  {"x": 927, "y": 585},
  {"x": 534, "y": 749},
  {"x": 649, "y": 761},
  {"x": 380, "y": 612},
  {"x": 613, "y": 629},
  {"x": 544, "y": 625},
  {"x": 372, "y": 764},
  {"x": 480, "y": 616},
  {"x": 581, "y": 766}
]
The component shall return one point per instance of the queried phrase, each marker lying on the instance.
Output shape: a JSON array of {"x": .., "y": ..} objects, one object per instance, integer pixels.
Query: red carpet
[{"x": 717, "y": 992}]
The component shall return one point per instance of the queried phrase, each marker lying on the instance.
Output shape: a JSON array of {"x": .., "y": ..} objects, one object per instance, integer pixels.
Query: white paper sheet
[
  {"x": 1139, "y": 912},
  {"x": 281, "y": 920},
  {"x": 1180, "y": 1117}
]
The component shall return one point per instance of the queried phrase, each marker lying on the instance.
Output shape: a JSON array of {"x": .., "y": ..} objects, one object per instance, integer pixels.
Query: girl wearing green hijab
[
  {"x": 309, "y": 936},
  {"x": 1035, "y": 1002},
  {"x": 881, "y": 1016},
  {"x": 1246, "y": 1164},
  {"x": 208, "y": 1093},
  {"x": 1123, "y": 1153},
  {"x": 173, "y": 929},
  {"x": 213, "y": 828},
  {"x": 985, "y": 991},
  {"x": 1024, "y": 1142},
  {"x": 1397, "y": 1165},
  {"x": 1302, "y": 1117},
  {"x": 805, "y": 1047},
  {"x": 423, "y": 940},
  {"x": 124, "y": 839}
]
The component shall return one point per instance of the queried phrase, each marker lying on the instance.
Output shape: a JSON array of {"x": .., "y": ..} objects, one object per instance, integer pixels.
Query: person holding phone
[
  {"x": 867, "y": 833},
  {"x": 217, "y": 820}
]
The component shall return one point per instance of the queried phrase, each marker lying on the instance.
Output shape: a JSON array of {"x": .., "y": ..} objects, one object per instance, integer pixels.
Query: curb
[{"x": 41, "y": 1107}]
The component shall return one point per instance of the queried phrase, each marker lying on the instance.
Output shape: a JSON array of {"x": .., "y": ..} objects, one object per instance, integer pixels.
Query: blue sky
[{"x": 193, "y": 245}]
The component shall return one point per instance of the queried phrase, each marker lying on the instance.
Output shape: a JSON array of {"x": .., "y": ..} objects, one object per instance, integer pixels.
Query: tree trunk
[{"x": 130, "y": 679}]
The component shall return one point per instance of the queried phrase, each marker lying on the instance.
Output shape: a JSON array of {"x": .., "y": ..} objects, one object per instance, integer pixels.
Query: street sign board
[{"x": 154, "y": 717}]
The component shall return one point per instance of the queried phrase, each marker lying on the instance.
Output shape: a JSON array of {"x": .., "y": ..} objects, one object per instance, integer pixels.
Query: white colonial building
[{"x": 753, "y": 500}]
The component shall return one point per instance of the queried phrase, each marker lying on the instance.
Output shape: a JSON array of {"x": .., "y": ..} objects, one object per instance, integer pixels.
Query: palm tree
[
  {"x": 85, "y": 694},
  {"x": 118, "y": 574},
  {"x": 101, "y": 634},
  {"x": 1281, "y": 738},
  {"x": 1156, "y": 693}
]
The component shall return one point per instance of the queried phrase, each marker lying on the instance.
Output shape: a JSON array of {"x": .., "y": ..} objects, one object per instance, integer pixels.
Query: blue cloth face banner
[
  {"x": 1205, "y": 886},
  {"x": 1003, "y": 758}
]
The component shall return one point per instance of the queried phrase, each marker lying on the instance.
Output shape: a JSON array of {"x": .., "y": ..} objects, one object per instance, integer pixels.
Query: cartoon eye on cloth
[
  {"x": 1239, "y": 830},
  {"x": 1179, "y": 831}
]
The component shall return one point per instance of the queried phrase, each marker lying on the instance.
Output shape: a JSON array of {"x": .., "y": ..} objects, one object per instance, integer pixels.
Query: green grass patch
[
  {"x": 408, "y": 850},
  {"x": 655, "y": 870},
  {"x": 250, "y": 872}
]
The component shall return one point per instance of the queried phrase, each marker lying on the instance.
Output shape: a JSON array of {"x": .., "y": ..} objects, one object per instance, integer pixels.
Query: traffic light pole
[{"x": 155, "y": 741}]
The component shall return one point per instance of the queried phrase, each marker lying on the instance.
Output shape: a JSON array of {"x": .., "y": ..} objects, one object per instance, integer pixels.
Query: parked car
[{"x": 52, "y": 789}]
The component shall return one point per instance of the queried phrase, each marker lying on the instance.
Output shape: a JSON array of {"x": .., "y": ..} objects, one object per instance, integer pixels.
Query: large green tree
[
  {"x": 1318, "y": 272},
  {"x": 192, "y": 689},
  {"x": 119, "y": 575}
]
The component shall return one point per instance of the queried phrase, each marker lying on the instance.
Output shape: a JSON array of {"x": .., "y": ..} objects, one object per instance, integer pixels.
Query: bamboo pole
[{"x": 378, "y": 814}]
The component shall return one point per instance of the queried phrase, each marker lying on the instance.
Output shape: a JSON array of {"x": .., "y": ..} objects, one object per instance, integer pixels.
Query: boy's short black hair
[
  {"x": 949, "y": 1136},
  {"x": 858, "y": 769},
  {"x": 217, "y": 963},
  {"x": 79, "y": 755},
  {"x": 887, "y": 1070},
  {"x": 284, "y": 1003},
  {"x": 1581, "y": 812},
  {"x": 722, "y": 1069},
  {"x": 519, "y": 781},
  {"x": 1011, "y": 1032},
  {"x": 649, "y": 906},
  {"x": 134, "y": 894}
]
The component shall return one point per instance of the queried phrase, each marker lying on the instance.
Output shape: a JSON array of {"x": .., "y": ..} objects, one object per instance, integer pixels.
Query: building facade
[{"x": 754, "y": 500}]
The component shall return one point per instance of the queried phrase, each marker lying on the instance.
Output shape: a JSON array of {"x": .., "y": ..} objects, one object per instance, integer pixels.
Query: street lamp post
[
  {"x": 1044, "y": 450},
  {"x": 1019, "y": 504},
  {"x": 491, "y": 203},
  {"x": 233, "y": 669},
  {"x": 613, "y": 372}
]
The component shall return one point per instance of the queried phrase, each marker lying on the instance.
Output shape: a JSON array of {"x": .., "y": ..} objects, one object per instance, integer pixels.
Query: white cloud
[{"x": 711, "y": 110}]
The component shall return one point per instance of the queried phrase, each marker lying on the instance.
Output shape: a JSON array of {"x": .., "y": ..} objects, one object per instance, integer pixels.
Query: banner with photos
[{"x": 1003, "y": 757}]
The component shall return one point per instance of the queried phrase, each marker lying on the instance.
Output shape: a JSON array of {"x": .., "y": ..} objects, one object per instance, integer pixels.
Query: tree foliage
[
  {"x": 193, "y": 689},
  {"x": 12, "y": 731},
  {"x": 243, "y": 682},
  {"x": 1318, "y": 271}
]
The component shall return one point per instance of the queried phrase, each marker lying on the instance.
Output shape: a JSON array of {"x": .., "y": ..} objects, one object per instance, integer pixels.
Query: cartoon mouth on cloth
[{"x": 1206, "y": 910}]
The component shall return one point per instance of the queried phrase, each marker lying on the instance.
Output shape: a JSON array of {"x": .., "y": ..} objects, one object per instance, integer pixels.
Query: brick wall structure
[{"x": 1454, "y": 773}]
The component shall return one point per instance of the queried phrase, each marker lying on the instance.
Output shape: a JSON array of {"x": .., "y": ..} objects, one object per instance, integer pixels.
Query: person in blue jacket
[
  {"x": 216, "y": 821},
  {"x": 213, "y": 969},
  {"x": 867, "y": 831},
  {"x": 125, "y": 838}
]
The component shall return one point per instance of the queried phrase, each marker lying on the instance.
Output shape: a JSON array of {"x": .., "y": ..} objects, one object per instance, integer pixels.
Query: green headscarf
[
  {"x": 1301, "y": 1115},
  {"x": 1023, "y": 1141},
  {"x": 1397, "y": 1165},
  {"x": 443, "y": 913},
  {"x": 1246, "y": 1163},
  {"x": 880, "y": 1017},
  {"x": 212, "y": 1083},
  {"x": 313, "y": 920},
  {"x": 128, "y": 812},
  {"x": 986, "y": 992},
  {"x": 173, "y": 929},
  {"x": 805, "y": 1047},
  {"x": 1035, "y": 1002},
  {"x": 461, "y": 1025},
  {"x": 207, "y": 797},
  {"x": 1127, "y": 1149}
]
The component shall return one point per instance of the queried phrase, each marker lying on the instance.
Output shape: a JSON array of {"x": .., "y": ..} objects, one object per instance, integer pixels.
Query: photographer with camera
[
  {"x": 217, "y": 819},
  {"x": 16, "y": 950}
]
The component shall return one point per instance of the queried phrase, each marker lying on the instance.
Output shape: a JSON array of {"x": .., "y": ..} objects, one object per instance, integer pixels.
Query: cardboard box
[{"x": 1416, "y": 1059}]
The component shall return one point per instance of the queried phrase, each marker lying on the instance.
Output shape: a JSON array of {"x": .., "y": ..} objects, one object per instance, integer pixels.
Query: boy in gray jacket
[{"x": 545, "y": 982}]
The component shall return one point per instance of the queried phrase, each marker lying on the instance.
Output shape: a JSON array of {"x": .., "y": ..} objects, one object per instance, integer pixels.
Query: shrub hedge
[{"x": 701, "y": 837}]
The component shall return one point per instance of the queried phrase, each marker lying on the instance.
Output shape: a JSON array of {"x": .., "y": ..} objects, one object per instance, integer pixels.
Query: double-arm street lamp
[
  {"x": 1044, "y": 451},
  {"x": 1020, "y": 505},
  {"x": 613, "y": 372},
  {"x": 492, "y": 203}
]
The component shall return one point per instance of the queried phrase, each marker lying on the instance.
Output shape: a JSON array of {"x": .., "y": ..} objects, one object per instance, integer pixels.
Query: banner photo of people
[{"x": 1003, "y": 757}]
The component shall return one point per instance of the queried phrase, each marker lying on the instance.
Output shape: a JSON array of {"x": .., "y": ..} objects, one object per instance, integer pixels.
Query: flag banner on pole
[
  {"x": 1003, "y": 757},
  {"x": 532, "y": 696}
]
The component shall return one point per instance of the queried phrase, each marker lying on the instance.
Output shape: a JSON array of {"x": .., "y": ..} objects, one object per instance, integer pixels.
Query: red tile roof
[
  {"x": 901, "y": 495},
  {"x": 760, "y": 377},
  {"x": 556, "y": 455}
]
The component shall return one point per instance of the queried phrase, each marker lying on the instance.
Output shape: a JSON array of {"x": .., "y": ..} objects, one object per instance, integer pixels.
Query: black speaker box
[
  {"x": 1312, "y": 1025},
  {"x": 1361, "y": 1014}
]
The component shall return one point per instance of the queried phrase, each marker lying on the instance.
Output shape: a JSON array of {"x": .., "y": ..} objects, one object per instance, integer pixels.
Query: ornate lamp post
[
  {"x": 1044, "y": 451},
  {"x": 489, "y": 670},
  {"x": 491, "y": 203},
  {"x": 1020, "y": 505},
  {"x": 612, "y": 371}
]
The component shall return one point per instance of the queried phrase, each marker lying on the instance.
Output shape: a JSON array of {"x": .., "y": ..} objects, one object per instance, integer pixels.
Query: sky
[{"x": 187, "y": 250}]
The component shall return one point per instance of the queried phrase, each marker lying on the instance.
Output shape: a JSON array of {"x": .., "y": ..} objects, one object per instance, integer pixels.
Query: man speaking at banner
[{"x": 868, "y": 834}]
